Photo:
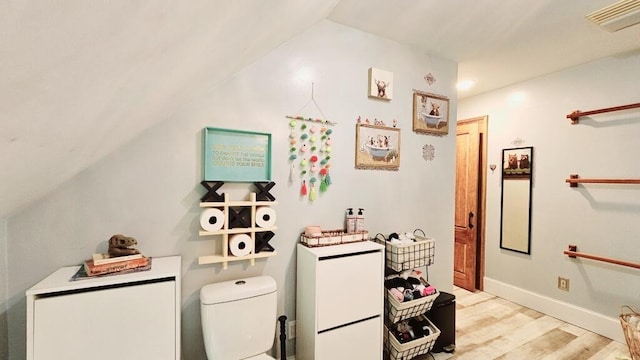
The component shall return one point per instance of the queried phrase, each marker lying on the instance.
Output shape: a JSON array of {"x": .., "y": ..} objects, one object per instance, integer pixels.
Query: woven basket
[{"x": 631, "y": 331}]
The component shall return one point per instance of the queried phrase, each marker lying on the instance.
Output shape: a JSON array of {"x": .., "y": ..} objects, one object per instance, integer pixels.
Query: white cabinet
[
  {"x": 127, "y": 316},
  {"x": 339, "y": 309}
]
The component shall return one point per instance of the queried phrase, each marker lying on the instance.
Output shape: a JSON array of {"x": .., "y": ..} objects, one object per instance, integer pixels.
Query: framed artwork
[
  {"x": 430, "y": 113},
  {"x": 236, "y": 156},
  {"x": 517, "y": 163},
  {"x": 380, "y": 84},
  {"x": 377, "y": 147}
]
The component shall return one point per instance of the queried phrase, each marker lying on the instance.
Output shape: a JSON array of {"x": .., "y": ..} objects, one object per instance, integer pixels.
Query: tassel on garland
[
  {"x": 303, "y": 189},
  {"x": 293, "y": 175},
  {"x": 312, "y": 193},
  {"x": 326, "y": 180},
  {"x": 323, "y": 184}
]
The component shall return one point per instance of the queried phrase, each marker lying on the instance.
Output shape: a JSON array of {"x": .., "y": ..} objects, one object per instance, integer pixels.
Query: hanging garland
[
  {"x": 310, "y": 155},
  {"x": 310, "y": 151}
]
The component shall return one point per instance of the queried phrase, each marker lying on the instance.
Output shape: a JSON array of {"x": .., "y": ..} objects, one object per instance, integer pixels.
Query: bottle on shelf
[
  {"x": 351, "y": 221},
  {"x": 360, "y": 220}
]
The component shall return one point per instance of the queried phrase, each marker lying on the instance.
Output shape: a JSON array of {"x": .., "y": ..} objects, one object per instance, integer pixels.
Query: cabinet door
[
  {"x": 349, "y": 289},
  {"x": 361, "y": 340},
  {"x": 131, "y": 322}
]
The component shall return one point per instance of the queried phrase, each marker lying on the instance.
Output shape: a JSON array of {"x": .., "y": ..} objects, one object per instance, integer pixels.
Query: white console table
[{"x": 126, "y": 316}]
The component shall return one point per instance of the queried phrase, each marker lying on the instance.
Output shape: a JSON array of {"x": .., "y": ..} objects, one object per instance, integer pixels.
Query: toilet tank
[{"x": 238, "y": 317}]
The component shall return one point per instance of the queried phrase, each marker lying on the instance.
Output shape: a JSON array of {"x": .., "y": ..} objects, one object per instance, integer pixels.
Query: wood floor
[{"x": 488, "y": 328}]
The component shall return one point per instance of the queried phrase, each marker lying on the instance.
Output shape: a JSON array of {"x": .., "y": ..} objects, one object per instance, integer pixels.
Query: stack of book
[{"x": 103, "y": 264}]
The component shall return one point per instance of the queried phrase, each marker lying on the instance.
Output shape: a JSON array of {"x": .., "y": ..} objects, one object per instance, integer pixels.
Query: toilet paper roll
[
  {"x": 265, "y": 217},
  {"x": 240, "y": 245},
  {"x": 211, "y": 219}
]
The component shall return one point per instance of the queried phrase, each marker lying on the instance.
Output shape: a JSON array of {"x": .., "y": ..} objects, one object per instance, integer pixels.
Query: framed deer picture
[
  {"x": 377, "y": 147},
  {"x": 380, "y": 84},
  {"x": 430, "y": 113}
]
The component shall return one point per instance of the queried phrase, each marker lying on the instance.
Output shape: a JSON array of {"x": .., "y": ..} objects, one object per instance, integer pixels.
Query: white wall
[
  {"x": 4, "y": 349},
  {"x": 150, "y": 188},
  {"x": 599, "y": 219}
]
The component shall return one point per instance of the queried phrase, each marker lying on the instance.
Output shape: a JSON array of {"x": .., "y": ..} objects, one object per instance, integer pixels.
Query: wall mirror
[{"x": 515, "y": 218}]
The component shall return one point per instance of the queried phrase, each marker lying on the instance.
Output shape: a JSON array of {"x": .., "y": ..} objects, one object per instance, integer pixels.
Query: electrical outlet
[
  {"x": 291, "y": 331},
  {"x": 563, "y": 283}
]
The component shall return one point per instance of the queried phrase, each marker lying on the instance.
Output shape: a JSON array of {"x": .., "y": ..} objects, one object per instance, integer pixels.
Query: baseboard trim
[{"x": 584, "y": 318}]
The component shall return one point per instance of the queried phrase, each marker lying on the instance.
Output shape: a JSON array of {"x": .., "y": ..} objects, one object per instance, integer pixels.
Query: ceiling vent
[{"x": 617, "y": 16}]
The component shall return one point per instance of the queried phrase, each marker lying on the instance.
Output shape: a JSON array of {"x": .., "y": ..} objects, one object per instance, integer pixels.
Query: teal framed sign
[{"x": 236, "y": 156}]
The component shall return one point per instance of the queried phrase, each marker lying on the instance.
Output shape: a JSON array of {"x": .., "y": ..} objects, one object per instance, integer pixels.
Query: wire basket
[
  {"x": 397, "y": 311},
  {"x": 332, "y": 237},
  {"x": 400, "y": 257},
  {"x": 630, "y": 321},
  {"x": 395, "y": 350}
]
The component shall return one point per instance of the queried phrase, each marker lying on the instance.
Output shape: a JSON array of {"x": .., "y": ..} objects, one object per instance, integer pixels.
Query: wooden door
[{"x": 466, "y": 198}]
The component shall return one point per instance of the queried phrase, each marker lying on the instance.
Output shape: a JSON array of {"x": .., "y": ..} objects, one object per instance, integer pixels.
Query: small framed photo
[
  {"x": 430, "y": 113},
  {"x": 517, "y": 163},
  {"x": 377, "y": 147},
  {"x": 236, "y": 156},
  {"x": 380, "y": 84}
]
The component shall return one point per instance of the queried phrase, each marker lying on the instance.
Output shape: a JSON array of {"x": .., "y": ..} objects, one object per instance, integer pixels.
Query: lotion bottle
[
  {"x": 351, "y": 221},
  {"x": 360, "y": 220}
]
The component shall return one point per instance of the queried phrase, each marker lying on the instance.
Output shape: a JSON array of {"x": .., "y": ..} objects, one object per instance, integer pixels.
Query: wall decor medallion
[
  {"x": 430, "y": 113},
  {"x": 430, "y": 79},
  {"x": 380, "y": 84},
  {"x": 428, "y": 152},
  {"x": 377, "y": 147},
  {"x": 518, "y": 142}
]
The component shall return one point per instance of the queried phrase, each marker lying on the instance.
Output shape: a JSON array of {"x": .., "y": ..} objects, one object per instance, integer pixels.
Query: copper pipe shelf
[
  {"x": 573, "y": 253},
  {"x": 575, "y": 116},
  {"x": 574, "y": 180}
]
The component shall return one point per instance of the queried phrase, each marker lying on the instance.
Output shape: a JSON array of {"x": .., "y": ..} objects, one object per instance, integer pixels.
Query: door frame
[{"x": 482, "y": 195}]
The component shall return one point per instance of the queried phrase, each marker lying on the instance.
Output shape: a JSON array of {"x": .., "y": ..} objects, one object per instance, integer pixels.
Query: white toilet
[{"x": 239, "y": 318}]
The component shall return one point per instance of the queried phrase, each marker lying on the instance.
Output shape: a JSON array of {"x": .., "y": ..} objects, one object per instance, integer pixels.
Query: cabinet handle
[{"x": 471, "y": 219}]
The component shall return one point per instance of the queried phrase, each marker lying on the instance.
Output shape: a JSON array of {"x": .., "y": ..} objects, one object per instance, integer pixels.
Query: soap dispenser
[
  {"x": 351, "y": 221},
  {"x": 360, "y": 220}
]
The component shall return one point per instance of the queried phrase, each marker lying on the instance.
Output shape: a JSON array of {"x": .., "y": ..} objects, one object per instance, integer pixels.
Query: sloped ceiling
[
  {"x": 496, "y": 43},
  {"x": 78, "y": 78}
]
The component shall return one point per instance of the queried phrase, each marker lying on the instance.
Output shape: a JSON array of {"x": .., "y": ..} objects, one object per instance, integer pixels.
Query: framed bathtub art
[
  {"x": 377, "y": 147},
  {"x": 430, "y": 113}
]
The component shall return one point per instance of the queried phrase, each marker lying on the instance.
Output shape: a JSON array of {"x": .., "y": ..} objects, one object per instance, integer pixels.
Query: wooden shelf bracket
[
  {"x": 575, "y": 116},
  {"x": 574, "y": 180},
  {"x": 573, "y": 253}
]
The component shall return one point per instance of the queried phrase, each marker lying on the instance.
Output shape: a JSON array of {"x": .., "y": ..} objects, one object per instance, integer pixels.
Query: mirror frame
[{"x": 516, "y": 170}]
